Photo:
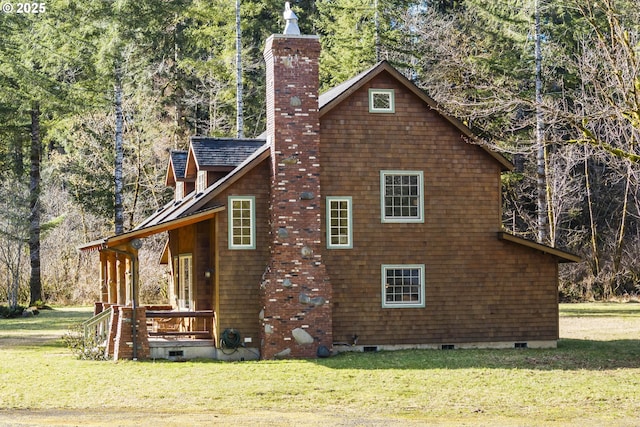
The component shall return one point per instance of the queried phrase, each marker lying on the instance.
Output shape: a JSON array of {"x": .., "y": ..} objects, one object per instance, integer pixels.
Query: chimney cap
[{"x": 291, "y": 25}]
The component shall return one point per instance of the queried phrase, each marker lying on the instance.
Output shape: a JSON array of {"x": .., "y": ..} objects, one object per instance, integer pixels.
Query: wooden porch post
[
  {"x": 104, "y": 280},
  {"x": 122, "y": 279},
  {"x": 112, "y": 278},
  {"x": 128, "y": 269},
  {"x": 134, "y": 275}
]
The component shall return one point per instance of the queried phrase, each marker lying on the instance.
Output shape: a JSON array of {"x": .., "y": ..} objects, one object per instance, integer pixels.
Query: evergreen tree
[
  {"x": 32, "y": 81},
  {"x": 355, "y": 34}
]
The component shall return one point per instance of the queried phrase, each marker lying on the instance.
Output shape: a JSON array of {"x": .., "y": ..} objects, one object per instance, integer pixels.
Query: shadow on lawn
[{"x": 571, "y": 354}]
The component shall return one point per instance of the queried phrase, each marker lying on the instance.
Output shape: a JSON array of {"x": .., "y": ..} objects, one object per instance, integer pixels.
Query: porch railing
[
  {"x": 96, "y": 329},
  {"x": 169, "y": 323}
]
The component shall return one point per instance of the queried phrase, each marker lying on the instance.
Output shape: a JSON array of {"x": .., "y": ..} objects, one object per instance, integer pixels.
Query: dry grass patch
[{"x": 600, "y": 321}]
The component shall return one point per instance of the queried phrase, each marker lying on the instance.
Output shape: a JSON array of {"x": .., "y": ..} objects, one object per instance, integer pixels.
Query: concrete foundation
[{"x": 181, "y": 350}]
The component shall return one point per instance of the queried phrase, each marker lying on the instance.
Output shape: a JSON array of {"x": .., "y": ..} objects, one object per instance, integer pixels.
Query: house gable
[
  {"x": 338, "y": 94},
  {"x": 210, "y": 159},
  {"x": 176, "y": 174},
  {"x": 176, "y": 167}
]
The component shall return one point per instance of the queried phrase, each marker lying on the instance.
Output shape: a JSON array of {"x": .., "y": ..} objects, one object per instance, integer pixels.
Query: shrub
[
  {"x": 88, "y": 349},
  {"x": 7, "y": 312}
]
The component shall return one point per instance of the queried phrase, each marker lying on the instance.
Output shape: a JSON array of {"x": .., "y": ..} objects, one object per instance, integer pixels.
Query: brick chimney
[{"x": 296, "y": 291}]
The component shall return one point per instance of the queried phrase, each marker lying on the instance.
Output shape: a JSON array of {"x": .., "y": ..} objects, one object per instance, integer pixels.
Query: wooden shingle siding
[
  {"x": 477, "y": 288},
  {"x": 240, "y": 271},
  {"x": 202, "y": 261}
]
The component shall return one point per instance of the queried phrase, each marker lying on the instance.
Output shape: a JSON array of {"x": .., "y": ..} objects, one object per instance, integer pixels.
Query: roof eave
[
  {"x": 93, "y": 245},
  {"x": 562, "y": 256},
  {"x": 139, "y": 233}
]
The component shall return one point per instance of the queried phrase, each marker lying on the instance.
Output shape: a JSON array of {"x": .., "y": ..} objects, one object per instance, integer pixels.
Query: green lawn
[{"x": 591, "y": 379}]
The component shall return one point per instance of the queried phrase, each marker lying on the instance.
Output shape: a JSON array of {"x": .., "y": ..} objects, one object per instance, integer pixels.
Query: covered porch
[{"x": 126, "y": 328}]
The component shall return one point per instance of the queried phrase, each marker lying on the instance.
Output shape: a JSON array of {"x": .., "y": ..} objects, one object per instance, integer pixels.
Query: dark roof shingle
[
  {"x": 219, "y": 152},
  {"x": 178, "y": 159}
]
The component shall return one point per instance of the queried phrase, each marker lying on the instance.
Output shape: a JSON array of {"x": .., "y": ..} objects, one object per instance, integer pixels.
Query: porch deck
[{"x": 172, "y": 335}]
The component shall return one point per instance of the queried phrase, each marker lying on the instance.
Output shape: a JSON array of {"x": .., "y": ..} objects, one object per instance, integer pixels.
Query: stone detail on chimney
[
  {"x": 296, "y": 290},
  {"x": 302, "y": 337}
]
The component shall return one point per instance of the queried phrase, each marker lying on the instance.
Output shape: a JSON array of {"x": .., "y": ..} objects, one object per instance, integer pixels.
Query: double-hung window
[
  {"x": 403, "y": 286},
  {"x": 339, "y": 223},
  {"x": 242, "y": 222},
  {"x": 401, "y": 196}
]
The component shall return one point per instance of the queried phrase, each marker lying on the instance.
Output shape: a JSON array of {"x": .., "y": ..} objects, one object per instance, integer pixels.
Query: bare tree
[
  {"x": 606, "y": 116},
  {"x": 14, "y": 235},
  {"x": 607, "y": 113}
]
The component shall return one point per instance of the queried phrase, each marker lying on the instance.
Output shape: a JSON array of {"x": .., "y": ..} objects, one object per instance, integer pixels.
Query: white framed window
[
  {"x": 179, "y": 191},
  {"x": 242, "y": 222},
  {"x": 403, "y": 285},
  {"x": 401, "y": 196},
  {"x": 176, "y": 279},
  {"x": 185, "y": 282},
  {"x": 201, "y": 183},
  {"x": 339, "y": 223},
  {"x": 381, "y": 101}
]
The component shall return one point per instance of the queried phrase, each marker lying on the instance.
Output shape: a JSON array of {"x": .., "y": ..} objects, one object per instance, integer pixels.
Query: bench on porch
[{"x": 167, "y": 323}]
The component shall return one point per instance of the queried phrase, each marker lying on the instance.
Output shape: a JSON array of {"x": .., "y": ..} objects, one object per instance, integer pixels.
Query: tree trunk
[
  {"x": 239, "y": 104},
  {"x": 35, "y": 280},
  {"x": 541, "y": 157},
  {"x": 14, "y": 279},
  {"x": 137, "y": 186},
  {"x": 595, "y": 255},
  {"x": 613, "y": 284},
  {"x": 118, "y": 204}
]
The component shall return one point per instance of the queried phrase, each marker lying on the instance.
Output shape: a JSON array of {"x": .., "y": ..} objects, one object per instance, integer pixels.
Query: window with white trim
[
  {"x": 242, "y": 222},
  {"x": 201, "y": 184},
  {"x": 381, "y": 101},
  {"x": 179, "y": 190},
  {"x": 401, "y": 196},
  {"x": 176, "y": 279},
  {"x": 339, "y": 223},
  {"x": 185, "y": 282},
  {"x": 403, "y": 285}
]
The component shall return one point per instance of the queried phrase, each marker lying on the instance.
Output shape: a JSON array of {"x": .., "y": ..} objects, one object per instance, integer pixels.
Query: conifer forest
[{"x": 95, "y": 93}]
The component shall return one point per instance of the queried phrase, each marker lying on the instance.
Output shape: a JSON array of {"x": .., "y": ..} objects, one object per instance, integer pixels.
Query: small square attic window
[{"x": 381, "y": 101}]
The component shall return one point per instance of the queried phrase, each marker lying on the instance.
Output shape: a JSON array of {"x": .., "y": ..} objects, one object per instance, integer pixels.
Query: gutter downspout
[{"x": 134, "y": 293}]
